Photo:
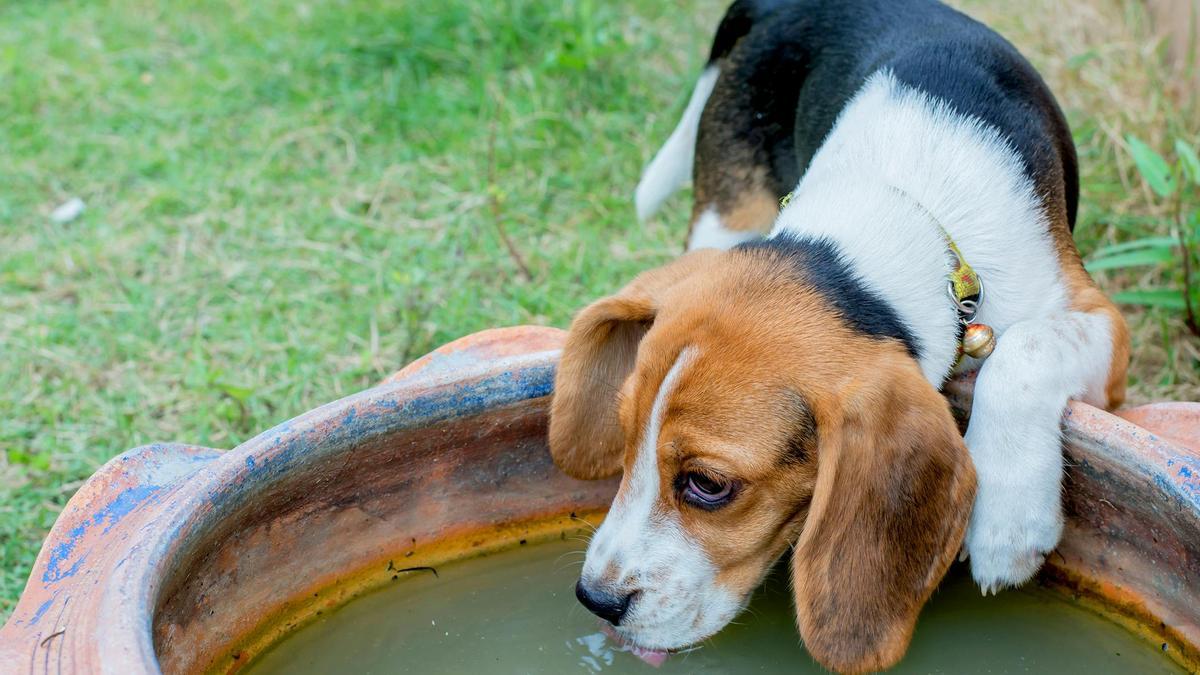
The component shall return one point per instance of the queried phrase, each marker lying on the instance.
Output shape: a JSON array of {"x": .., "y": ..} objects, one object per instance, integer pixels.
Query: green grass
[{"x": 287, "y": 201}]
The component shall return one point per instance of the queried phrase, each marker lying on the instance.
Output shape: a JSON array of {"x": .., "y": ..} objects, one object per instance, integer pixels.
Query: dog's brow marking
[
  {"x": 631, "y": 515},
  {"x": 649, "y": 551},
  {"x": 643, "y": 489}
]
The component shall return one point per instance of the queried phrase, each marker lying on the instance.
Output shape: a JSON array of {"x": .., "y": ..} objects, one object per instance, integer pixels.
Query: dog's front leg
[{"x": 1015, "y": 441}]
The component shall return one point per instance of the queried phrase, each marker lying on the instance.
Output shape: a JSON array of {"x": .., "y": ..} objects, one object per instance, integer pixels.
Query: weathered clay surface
[
  {"x": 174, "y": 558},
  {"x": 1178, "y": 423},
  {"x": 1132, "y": 499}
]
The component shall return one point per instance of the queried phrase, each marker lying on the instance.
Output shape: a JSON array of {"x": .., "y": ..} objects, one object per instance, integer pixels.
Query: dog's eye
[{"x": 705, "y": 491}]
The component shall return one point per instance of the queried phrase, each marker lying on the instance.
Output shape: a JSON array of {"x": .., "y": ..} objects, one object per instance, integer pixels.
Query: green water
[{"x": 516, "y": 613}]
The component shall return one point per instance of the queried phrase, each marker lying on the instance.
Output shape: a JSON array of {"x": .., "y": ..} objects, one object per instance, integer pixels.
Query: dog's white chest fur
[{"x": 895, "y": 166}]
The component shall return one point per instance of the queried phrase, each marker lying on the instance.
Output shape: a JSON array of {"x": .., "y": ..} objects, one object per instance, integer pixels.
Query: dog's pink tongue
[{"x": 648, "y": 656}]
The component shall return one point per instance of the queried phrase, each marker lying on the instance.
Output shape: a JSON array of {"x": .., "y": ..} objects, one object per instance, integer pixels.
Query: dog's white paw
[{"x": 1010, "y": 534}]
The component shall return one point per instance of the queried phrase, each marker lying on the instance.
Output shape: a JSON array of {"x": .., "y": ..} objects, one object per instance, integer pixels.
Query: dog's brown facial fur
[{"x": 835, "y": 441}]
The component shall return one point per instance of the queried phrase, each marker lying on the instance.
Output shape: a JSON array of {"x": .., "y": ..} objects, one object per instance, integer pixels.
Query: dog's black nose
[{"x": 608, "y": 607}]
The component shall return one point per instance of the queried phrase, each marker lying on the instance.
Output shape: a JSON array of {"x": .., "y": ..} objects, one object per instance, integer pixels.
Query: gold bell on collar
[
  {"x": 966, "y": 291},
  {"x": 978, "y": 340}
]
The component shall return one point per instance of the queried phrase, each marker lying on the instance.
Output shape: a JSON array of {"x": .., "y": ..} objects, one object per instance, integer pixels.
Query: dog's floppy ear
[
  {"x": 602, "y": 343},
  {"x": 894, "y": 491}
]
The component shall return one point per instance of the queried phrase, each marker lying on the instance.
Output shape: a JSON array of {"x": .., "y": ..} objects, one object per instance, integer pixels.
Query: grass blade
[
  {"x": 1154, "y": 169},
  {"x": 1139, "y": 258},
  {"x": 1165, "y": 298},
  {"x": 1189, "y": 160},
  {"x": 1148, "y": 242}
]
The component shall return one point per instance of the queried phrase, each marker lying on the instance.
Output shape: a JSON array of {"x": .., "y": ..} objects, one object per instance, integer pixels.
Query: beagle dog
[{"x": 762, "y": 393}]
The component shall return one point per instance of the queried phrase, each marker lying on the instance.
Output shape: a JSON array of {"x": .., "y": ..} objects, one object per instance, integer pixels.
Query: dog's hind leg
[
  {"x": 672, "y": 164},
  {"x": 746, "y": 152},
  {"x": 735, "y": 135}
]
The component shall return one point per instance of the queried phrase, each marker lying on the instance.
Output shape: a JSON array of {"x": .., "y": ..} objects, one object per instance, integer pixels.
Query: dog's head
[{"x": 748, "y": 415}]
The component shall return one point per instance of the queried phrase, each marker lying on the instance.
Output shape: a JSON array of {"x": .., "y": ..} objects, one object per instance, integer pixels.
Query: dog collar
[{"x": 965, "y": 289}]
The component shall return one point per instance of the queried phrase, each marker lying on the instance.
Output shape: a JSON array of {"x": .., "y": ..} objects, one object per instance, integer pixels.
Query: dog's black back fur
[
  {"x": 800, "y": 61},
  {"x": 820, "y": 265}
]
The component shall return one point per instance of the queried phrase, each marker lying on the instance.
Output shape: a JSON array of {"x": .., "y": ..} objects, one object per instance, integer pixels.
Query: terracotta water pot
[{"x": 178, "y": 558}]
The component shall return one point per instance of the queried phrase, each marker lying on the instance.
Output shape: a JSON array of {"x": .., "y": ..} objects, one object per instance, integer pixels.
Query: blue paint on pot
[
  {"x": 109, "y": 515},
  {"x": 37, "y": 616},
  {"x": 1164, "y": 485},
  {"x": 1189, "y": 480},
  {"x": 59, "y": 555},
  {"x": 125, "y": 502}
]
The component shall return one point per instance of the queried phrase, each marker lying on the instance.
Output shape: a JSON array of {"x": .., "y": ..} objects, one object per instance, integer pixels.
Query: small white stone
[{"x": 67, "y": 211}]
